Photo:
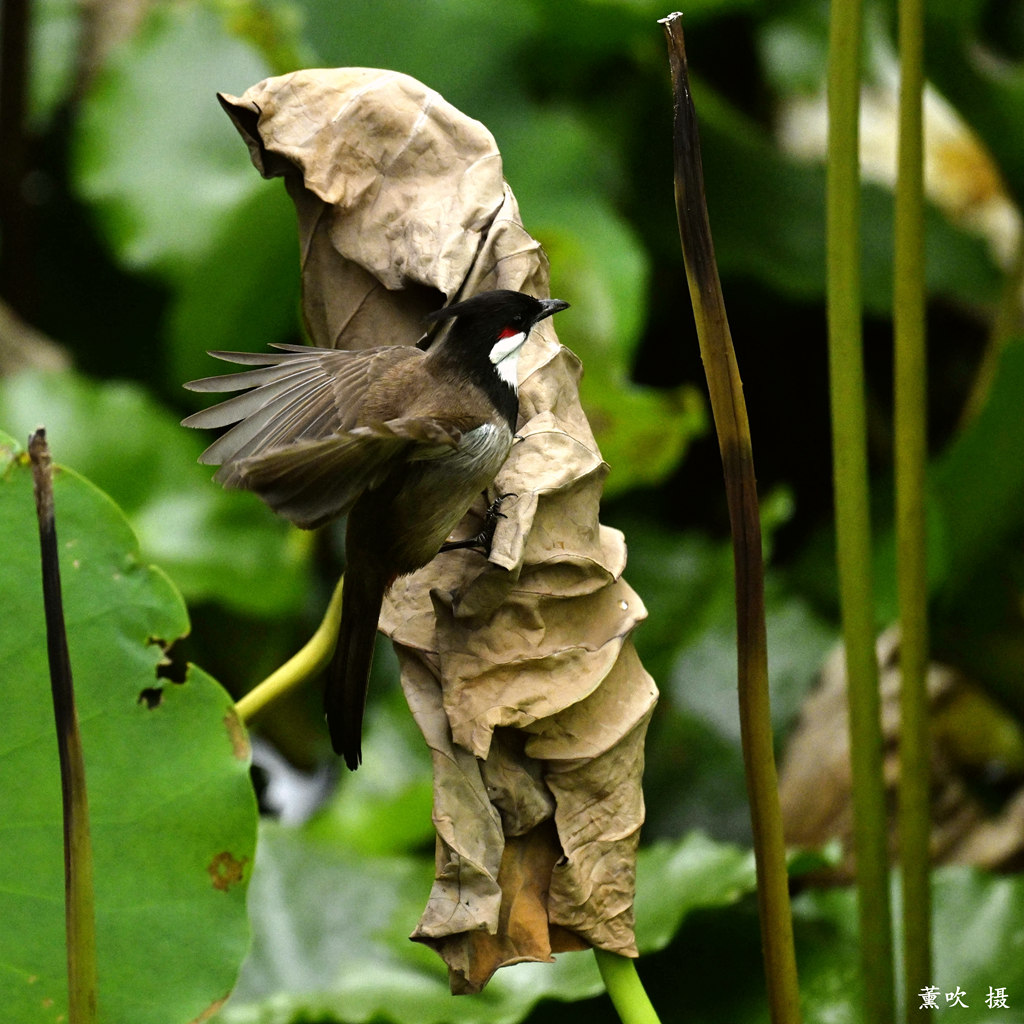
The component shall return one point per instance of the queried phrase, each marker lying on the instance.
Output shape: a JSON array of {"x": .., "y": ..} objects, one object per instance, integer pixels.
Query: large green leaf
[
  {"x": 695, "y": 775},
  {"x": 385, "y": 810},
  {"x": 979, "y": 481},
  {"x": 171, "y": 807},
  {"x": 331, "y": 929},
  {"x": 464, "y": 51},
  {"x": 713, "y": 969},
  {"x": 214, "y": 544},
  {"x": 768, "y": 219},
  {"x": 55, "y": 27},
  {"x": 678, "y": 878},
  {"x": 333, "y": 903},
  {"x": 978, "y": 946},
  {"x": 643, "y": 432},
  {"x": 155, "y": 155},
  {"x": 243, "y": 293}
]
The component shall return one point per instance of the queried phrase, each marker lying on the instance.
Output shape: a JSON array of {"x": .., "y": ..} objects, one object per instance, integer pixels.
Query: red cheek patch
[{"x": 508, "y": 333}]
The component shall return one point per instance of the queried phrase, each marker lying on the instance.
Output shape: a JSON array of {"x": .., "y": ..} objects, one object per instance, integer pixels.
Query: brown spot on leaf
[
  {"x": 210, "y": 1012},
  {"x": 237, "y": 734},
  {"x": 226, "y": 870}
]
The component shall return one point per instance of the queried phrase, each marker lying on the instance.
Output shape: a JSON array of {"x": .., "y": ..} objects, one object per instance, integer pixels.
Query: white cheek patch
[
  {"x": 505, "y": 357},
  {"x": 507, "y": 346}
]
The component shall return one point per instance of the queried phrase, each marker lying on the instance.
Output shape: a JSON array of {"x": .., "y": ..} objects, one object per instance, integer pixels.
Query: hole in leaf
[
  {"x": 170, "y": 667},
  {"x": 151, "y": 696}
]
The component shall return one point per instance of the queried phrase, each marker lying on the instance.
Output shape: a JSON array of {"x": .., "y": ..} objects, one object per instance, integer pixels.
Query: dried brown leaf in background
[
  {"x": 974, "y": 740},
  {"x": 519, "y": 669}
]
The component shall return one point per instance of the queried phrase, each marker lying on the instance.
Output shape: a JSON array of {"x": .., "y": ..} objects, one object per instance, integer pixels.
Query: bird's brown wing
[
  {"x": 298, "y": 393},
  {"x": 311, "y": 482},
  {"x": 297, "y": 438}
]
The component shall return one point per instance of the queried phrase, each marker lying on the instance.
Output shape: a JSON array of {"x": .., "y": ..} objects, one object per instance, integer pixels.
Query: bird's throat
[
  {"x": 505, "y": 357},
  {"x": 508, "y": 370}
]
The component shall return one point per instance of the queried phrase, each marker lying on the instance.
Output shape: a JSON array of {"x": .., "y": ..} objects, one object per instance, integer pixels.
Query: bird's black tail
[{"x": 349, "y": 672}]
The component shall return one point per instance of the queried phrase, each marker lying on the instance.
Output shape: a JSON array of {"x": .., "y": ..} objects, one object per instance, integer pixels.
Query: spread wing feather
[
  {"x": 298, "y": 393},
  {"x": 296, "y": 438}
]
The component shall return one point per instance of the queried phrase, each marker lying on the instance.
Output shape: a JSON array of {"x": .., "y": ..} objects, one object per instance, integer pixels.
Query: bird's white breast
[
  {"x": 446, "y": 484},
  {"x": 485, "y": 446}
]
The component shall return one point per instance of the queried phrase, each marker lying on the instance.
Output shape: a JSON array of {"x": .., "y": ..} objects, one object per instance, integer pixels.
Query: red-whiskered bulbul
[{"x": 401, "y": 438}]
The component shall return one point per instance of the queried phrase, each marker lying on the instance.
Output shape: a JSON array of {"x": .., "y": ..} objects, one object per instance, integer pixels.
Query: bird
[{"x": 400, "y": 438}]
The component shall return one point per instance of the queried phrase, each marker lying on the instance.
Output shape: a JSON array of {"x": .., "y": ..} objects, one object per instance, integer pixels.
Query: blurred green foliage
[{"x": 148, "y": 238}]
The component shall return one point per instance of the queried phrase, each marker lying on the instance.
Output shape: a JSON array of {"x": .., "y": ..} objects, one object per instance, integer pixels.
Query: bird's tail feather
[{"x": 349, "y": 672}]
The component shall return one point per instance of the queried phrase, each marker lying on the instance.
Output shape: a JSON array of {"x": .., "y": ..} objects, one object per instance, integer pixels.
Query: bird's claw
[{"x": 482, "y": 540}]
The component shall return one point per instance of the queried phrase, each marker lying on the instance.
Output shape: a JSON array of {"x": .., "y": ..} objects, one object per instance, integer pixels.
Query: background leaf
[
  {"x": 171, "y": 808},
  {"x": 368, "y": 970},
  {"x": 151, "y": 140},
  {"x": 214, "y": 544}
]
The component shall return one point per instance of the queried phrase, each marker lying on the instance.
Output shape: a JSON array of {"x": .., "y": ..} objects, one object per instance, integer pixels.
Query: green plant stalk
[
  {"x": 910, "y": 460},
  {"x": 853, "y": 529},
  {"x": 730, "y": 415},
  {"x": 79, "y": 894},
  {"x": 625, "y": 989},
  {"x": 300, "y": 667}
]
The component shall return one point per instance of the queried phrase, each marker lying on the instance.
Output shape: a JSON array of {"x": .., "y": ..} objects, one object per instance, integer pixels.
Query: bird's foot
[{"x": 482, "y": 540}]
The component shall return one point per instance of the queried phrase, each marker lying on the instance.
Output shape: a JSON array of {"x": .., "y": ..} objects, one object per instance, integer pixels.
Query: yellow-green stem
[
  {"x": 910, "y": 459},
  {"x": 853, "y": 530},
  {"x": 730, "y": 415},
  {"x": 625, "y": 989},
  {"x": 300, "y": 667}
]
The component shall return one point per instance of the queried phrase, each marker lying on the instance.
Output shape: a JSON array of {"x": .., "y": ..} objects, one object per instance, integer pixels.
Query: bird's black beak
[{"x": 549, "y": 307}]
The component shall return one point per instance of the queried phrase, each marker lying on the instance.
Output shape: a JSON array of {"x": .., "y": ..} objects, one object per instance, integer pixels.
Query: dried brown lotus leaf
[
  {"x": 571, "y": 575},
  {"x": 596, "y": 724},
  {"x": 523, "y": 932},
  {"x": 550, "y": 543},
  {"x": 481, "y": 916},
  {"x": 518, "y": 670},
  {"x": 511, "y": 258},
  {"x": 408, "y": 195},
  {"x": 566, "y": 518},
  {"x": 484, "y": 911},
  {"x": 515, "y": 784},
  {"x": 345, "y": 307},
  {"x": 564, "y": 537},
  {"x": 502, "y": 676},
  {"x": 553, "y": 460},
  {"x": 465, "y": 894},
  {"x": 549, "y": 384},
  {"x": 592, "y": 887}
]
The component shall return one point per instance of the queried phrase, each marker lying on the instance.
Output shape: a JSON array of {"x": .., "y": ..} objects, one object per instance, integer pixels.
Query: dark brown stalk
[
  {"x": 730, "y": 416},
  {"x": 78, "y": 877}
]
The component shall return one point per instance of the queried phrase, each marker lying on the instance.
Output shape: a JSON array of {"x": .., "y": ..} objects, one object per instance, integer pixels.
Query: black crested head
[
  {"x": 499, "y": 309},
  {"x": 486, "y": 334},
  {"x": 479, "y": 321}
]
